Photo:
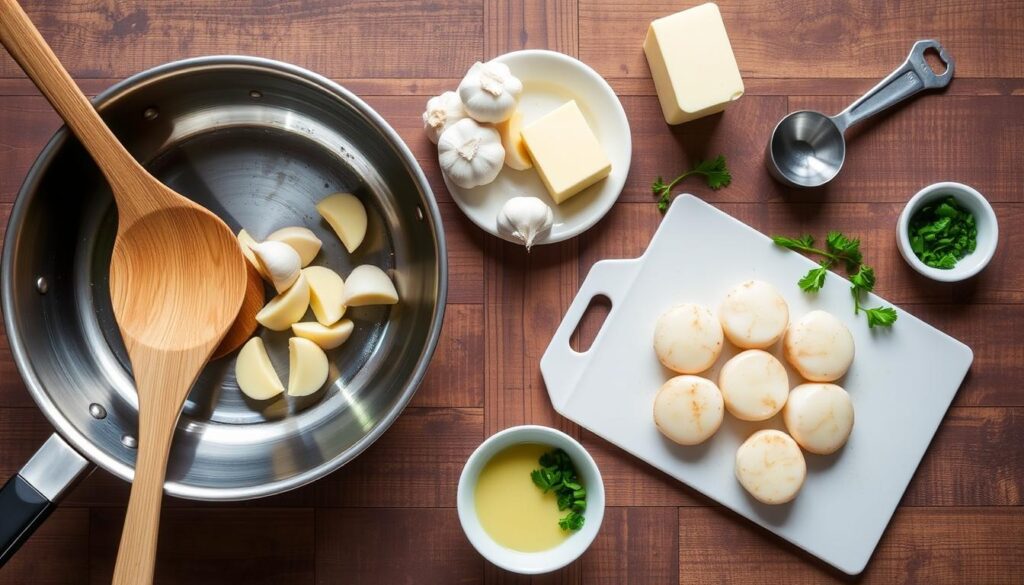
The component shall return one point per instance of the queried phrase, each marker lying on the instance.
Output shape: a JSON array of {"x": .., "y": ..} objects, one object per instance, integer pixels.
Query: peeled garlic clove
[
  {"x": 347, "y": 215},
  {"x": 254, "y": 373},
  {"x": 301, "y": 239},
  {"x": 286, "y": 308},
  {"x": 326, "y": 337},
  {"x": 280, "y": 262},
  {"x": 516, "y": 155},
  {"x": 470, "y": 154},
  {"x": 524, "y": 218},
  {"x": 326, "y": 291},
  {"x": 307, "y": 367},
  {"x": 489, "y": 92},
  {"x": 369, "y": 285},
  {"x": 442, "y": 111},
  {"x": 246, "y": 242}
]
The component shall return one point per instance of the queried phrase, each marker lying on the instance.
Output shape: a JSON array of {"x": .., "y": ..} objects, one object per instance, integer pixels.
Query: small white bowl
[
  {"x": 985, "y": 218},
  {"x": 531, "y": 563}
]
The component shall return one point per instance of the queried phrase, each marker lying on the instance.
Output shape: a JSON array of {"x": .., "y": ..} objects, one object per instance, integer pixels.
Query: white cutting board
[{"x": 901, "y": 382}]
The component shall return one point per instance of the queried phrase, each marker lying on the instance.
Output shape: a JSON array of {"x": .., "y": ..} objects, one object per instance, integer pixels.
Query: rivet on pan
[
  {"x": 97, "y": 411},
  {"x": 419, "y": 213},
  {"x": 255, "y": 94},
  {"x": 150, "y": 113},
  {"x": 42, "y": 286},
  {"x": 129, "y": 441}
]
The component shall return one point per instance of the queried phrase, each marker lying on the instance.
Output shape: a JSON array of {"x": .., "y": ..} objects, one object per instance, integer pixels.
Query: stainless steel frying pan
[{"x": 259, "y": 143}]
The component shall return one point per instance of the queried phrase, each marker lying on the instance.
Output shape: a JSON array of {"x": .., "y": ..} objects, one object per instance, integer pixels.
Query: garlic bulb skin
[
  {"x": 490, "y": 92},
  {"x": 470, "y": 154},
  {"x": 524, "y": 218},
  {"x": 280, "y": 262},
  {"x": 442, "y": 111}
]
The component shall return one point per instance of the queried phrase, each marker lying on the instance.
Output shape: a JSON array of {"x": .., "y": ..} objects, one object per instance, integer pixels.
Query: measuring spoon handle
[{"x": 909, "y": 78}]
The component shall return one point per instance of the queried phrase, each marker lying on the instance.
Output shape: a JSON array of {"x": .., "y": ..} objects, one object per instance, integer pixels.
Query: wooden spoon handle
[
  {"x": 136, "y": 556},
  {"x": 29, "y": 49}
]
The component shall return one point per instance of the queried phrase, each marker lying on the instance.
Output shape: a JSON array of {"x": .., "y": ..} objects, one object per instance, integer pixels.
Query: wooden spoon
[{"x": 177, "y": 278}]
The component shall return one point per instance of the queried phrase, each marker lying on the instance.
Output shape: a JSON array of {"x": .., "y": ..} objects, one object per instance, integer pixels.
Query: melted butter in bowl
[
  {"x": 511, "y": 521},
  {"x": 515, "y": 512}
]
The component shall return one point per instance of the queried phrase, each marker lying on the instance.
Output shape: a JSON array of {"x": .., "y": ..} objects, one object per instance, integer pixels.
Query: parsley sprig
[
  {"x": 840, "y": 249},
  {"x": 557, "y": 474},
  {"x": 714, "y": 171}
]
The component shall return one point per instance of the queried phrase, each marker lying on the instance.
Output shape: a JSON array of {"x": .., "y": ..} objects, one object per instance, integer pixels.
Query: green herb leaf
[
  {"x": 864, "y": 279},
  {"x": 803, "y": 243},
  {"x": 814, "y": 279},
  {"x": 571, "y": 521},
  {"x": 715, "y": 172},
  {"x": 844, "y": 248},
  {"x": 880, "y": 316},
  {"x": 564, "y": 500}
]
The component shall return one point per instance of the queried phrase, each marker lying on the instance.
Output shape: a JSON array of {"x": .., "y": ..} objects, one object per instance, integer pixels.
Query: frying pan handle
[
  {"x": 561, "y": 365},
  {"x": 28, "y": 498}
]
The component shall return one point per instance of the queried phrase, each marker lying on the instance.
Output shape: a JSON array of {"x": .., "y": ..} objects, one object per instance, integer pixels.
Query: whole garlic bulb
[
  {"x": 280, "y": 262},
  {"x": 470, "y": 154},
  {"x": 442, "y": 111},
  {"x": 524, "y": 218},
  {"x": 490, "y": 92}
]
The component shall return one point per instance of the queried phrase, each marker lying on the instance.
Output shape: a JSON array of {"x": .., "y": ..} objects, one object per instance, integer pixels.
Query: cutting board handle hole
[{"x": 590, "y": 323}]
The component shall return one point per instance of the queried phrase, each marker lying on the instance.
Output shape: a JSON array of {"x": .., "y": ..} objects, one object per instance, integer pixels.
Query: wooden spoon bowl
[{"x": 177, "y": 280}]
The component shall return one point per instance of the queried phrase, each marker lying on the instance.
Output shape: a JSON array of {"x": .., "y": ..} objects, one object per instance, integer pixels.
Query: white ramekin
[
  {"x": 571, "y": 548},
  {"x": 985, "y": 218}
]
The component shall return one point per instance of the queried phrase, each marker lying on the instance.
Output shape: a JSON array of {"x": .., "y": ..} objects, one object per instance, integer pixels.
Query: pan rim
[{"x": 31, "y": 183}]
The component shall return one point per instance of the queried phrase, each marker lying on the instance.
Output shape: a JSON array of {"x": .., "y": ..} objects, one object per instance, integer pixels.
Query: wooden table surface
[{"x": 389, "y": 517}]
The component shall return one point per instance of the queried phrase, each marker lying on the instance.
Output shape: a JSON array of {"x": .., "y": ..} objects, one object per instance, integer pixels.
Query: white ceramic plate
[
  {"x": 549, "y": 80},
  {"x": 901, "y": 382}
]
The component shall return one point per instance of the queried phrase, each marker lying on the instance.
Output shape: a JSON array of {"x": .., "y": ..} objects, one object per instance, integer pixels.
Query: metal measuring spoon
[{"x": 807, "y": 148}]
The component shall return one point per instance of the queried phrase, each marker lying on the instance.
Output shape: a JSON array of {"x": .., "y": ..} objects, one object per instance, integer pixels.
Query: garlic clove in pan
[
  {"x": 280, "y": 262},
  {"x": 369, "y": 285},
  {"x": 326, "y": 292},
  {"x": 246, "y": 242},
  {"x": 524, "y": 218},
  {"x": 303, "y": 240},
  {"x": 286, "y": 308},
  {"x": 347, "y": 216},
  {"x": 254, "y": 373},
  {"x": 326, "y": 337},
  {"x": 307, "y": 367}
]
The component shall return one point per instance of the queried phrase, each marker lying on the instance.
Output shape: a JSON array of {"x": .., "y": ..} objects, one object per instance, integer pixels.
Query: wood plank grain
[
  {"x": 465, "y": 244},
  {"x": 803, "y": 86},
  {"x": 968, "y": 464},
  {"x": 889, "y": 158},
  {"x": 405, "y": 38},
  {"x": 970, "y": 461},
  {"x": 417, "y": 463},
  {"x": 628, "y": 227},
  {"x": 394, "y": 546},
  {"x": 57, "y": 554},
  {"x": 454, "y": 378},
  {"x": 212, "y": 545},
  {"x": 977, "y": 141},
  {"x": 635, "y": 547},
  {"x": 833, "y": 38},
  {"x": 922, "y": 545},
  {"x": 623, "y": 86},
  {"x": 527, "y": 294},
  {"x": 511, "y": 25}
]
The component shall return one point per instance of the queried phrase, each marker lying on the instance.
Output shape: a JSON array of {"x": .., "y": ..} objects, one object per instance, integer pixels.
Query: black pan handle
[{"x": 29, "y": 497}]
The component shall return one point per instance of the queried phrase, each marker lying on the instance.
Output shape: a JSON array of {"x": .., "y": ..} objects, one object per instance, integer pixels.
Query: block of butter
[
  {"x": 691, "y": 60},
  {"x": 565, "y": 152}
]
